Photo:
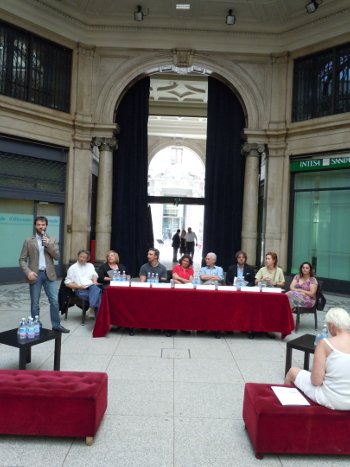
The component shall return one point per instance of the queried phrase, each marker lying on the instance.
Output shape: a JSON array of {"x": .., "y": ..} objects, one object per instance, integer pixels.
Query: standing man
[
  {"x": 190, "y": 241},
  {"x": 211, "y": 273},
  {"x": 37, "y": 262},
  {"x": 176, "y": 245},
  {"x": 153, "y": 267},
  {"x": 240, "y": 269}
]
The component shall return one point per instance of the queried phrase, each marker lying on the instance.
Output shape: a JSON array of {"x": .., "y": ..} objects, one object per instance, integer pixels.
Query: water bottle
[
  {"x": 239, "y": 283},
  {"x": 115, "y": 275},
  {"x": 149, "y": 277},
  {"x": 195, "y": 281},
  {"x": 124, "y": 277},
  {"x": 322, "y": 334},
  {"x": 156, "y": 278},
  {"x": 152, "y": 278},
  {"x": 22, "y": 330},
  {"x": 36, "y": 326},
  {"x": 30, "y": 329}
]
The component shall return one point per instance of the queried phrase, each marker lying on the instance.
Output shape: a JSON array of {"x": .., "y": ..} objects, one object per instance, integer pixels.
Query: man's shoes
[{"x": 61, "y": 329}]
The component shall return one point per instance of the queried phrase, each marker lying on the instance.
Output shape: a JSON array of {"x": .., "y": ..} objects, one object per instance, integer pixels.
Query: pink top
[{"x": 185, "y": 273}]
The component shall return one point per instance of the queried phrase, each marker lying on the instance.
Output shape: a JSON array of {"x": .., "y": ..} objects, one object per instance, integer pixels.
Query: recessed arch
[{"x": 119, "y": 81}]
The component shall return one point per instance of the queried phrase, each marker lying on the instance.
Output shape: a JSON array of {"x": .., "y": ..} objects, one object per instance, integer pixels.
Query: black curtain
[
  {"x": 131, "y": 219},
  {"x": 224, "y": 174}
]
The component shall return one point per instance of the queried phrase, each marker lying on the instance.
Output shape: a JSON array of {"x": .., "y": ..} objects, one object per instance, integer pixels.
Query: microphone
[{"x": 43, "y": 235}]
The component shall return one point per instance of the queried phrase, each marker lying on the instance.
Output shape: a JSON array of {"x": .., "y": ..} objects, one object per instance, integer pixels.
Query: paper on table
[{"x": 289, "y": 396}]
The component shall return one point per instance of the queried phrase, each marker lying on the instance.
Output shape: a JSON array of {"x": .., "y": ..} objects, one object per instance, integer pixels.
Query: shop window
[{"x": 321, "y": 220}]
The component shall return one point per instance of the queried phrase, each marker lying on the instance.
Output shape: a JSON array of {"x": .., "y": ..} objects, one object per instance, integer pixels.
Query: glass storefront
[{"x": 321, "y": 222}]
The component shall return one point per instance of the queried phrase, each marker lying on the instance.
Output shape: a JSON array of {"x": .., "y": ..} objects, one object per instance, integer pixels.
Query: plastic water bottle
[
  {"x": 152, "y": 278},
  {"x": 37, "y": 326},
  {"x": 239, "y": 283},
  {"x": 124, "y": 277},
  {"x": 322, "y": 335},
  {"x": 30, "y": 329},
  {"x": 149, "y": 277},
  {"x": 195, "y": 281},
  {"x": 22, "y": 330},
  {"x": 156, "y": 278},
  {"x": 115, "y": 275}
]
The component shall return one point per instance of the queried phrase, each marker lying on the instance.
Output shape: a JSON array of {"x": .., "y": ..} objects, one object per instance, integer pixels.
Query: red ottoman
[
  {"x": 52, "y": 403},
  {"x": 274, "y": 428}
]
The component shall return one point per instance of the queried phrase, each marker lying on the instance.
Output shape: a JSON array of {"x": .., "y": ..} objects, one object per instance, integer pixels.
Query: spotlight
[
  {"x": 230, "y": 18},
  {"x": 139, "y": 14},
  {"x": 312, "y": 6}
]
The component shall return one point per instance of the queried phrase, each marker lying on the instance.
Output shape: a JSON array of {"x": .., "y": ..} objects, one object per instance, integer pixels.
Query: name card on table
[
  {"x": 205, "y": 287},
  {"x": 227, "y": 288},
  {"x": 272, "y": 289},
  {"x": 184, "y": 286},
  {"x": 160, "y": 285},
  {"x": 141, "y": 284},
  {"x": 119, "y": 283},
  {"x": 250, "y": 289}
]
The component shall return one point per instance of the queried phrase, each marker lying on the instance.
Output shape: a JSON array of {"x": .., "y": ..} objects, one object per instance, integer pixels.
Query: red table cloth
[{"x": 199, "y": 310}]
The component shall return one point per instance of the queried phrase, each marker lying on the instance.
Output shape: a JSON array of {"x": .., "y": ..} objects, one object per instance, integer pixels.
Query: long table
[{"x": 200, "y": 310}]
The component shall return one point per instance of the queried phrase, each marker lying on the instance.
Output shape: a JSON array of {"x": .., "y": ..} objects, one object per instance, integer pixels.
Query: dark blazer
[{"x": 248, "y": 273}]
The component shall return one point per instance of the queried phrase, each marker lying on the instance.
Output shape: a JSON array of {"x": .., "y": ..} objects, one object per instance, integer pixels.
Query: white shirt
[
  {"x": 81, "y": 274},
  {"x": 42, "y": 261},
  {"x": 190, "y": 236}
]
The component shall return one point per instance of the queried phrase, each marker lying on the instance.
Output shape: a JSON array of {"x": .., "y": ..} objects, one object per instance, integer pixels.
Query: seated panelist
[
  {"x": 270, "y": 274},
  {"x": 153, "y": 266},
  {"x": 211, "y": 273},
  {"x": 112, "y": 264},
  {"x": 240, "y": 269},
  {"x": 82, "y": 279},
  {"x": 183, "y": 273}
]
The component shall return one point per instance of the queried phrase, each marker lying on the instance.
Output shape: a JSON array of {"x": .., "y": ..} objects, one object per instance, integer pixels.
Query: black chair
[
  {"x": 299, "y": 310},
  {"x": 287, "y": 281},
  {"x": 67, "y": 299}
]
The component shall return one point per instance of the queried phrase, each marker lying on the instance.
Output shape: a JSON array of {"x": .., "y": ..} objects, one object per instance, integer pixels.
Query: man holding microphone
[{"x": 37, "y": 262}]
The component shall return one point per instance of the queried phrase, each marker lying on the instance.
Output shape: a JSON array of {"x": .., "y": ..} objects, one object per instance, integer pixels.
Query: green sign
[{"x": 320, "y": 164}]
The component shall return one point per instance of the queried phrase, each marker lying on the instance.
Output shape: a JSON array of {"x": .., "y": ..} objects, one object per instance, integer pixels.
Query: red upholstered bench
[
  {"x": 52, "y": 403},
  {"x": 274, "y": 428}
]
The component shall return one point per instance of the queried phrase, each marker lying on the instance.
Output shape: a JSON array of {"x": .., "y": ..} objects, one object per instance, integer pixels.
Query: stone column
[
  {"x": 252, "y": 152},
  {"x": 78, "y": 207},
  {"x": 104, "y": 196}
]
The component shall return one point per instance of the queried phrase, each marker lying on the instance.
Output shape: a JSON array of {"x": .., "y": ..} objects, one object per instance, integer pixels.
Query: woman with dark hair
[
  {"x": 303, "y": 287},
  {"x": 183, "y": 273},
  {"x": 270, "y": 274},
  {"x": 111, "y": 264}
]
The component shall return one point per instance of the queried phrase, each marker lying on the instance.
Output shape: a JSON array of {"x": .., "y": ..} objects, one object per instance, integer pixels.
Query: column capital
[
  {"x": 253, "y": 149},
  {"x": 105, "y": 144}
]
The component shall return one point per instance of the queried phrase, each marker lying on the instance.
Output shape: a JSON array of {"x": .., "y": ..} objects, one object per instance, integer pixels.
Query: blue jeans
[
  {"x": 52, "y": 294},
  {"x": 93, "y": 294}
]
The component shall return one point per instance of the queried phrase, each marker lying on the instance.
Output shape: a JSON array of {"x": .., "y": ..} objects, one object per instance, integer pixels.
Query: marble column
[
  {"x": 252, "y": 153},
  {"x": 104, "y": 196}
]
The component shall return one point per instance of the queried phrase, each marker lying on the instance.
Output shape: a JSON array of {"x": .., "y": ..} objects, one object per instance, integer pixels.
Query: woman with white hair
[{"x": 329, "y": 382}]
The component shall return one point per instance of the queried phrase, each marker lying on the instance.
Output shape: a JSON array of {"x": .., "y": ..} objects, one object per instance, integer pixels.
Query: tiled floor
[{"x": 173, "y": 401}]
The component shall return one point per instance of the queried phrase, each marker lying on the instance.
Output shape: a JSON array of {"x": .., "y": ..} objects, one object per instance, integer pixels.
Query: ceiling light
[
  {"x": 183, "y": 6},
  {"x": 312, "y": 6},
  {"x": 139, "y": 13},
  {"x": 230, "y": 18}
]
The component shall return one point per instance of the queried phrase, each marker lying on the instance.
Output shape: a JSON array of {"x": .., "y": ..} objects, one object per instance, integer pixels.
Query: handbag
[{"x": 320, "y": 301}]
